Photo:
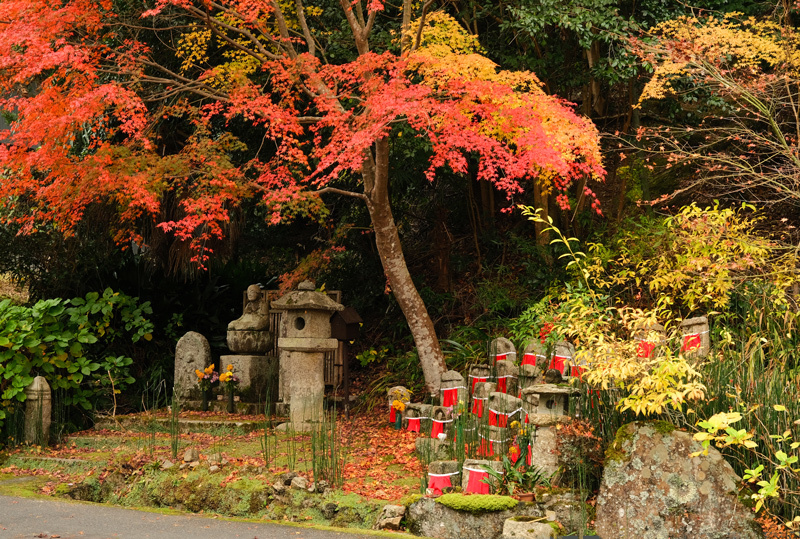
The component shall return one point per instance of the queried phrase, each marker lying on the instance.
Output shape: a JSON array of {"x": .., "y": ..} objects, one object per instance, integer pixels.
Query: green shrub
[
  {"x": 477, "y": 503},
  {"x": 69, "y": 342}
]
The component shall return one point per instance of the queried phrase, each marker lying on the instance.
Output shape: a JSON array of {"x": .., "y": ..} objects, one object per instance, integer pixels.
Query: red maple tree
[{"x": 94, "y": 84}]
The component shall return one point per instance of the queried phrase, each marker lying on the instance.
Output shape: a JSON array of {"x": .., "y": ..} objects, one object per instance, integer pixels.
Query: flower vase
[
  {"x": 204, "y": 404},
  {"x": 231, "y": 406},
  {"x": 398, "y": 420}
]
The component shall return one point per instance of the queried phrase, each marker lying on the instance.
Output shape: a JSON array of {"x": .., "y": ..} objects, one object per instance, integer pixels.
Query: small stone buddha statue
[{"x": 249, "y": 334}]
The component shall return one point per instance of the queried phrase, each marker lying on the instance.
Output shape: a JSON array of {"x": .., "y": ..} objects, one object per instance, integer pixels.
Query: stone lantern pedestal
[{"x": 304, "y": 337}]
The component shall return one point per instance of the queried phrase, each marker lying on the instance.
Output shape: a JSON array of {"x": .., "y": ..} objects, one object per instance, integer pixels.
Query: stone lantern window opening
[{"x": 299, "y": 323}]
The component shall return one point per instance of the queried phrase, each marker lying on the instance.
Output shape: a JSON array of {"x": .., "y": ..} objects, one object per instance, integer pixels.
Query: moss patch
[
  {"x": 663, "y": 427},
  {"x": 477, "y": 503},
  {"x": 615, "y": 453}
]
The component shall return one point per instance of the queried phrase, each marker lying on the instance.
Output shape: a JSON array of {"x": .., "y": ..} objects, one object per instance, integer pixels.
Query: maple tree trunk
[{"x": 375, "y": 172}]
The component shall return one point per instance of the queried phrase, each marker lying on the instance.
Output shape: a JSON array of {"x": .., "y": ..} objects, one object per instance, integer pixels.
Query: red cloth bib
[
  {"x": 475, "y": 483},
  {"x": 645, "y": 349},
  {"x": 437, "y": 428},
  {"x": 559, "y": 363},
  {"x": 529, "y": 359},
  {"x": 577, "y": 371},
  {"x": 486, "y": 449},
  {"x": 500, "y": 357},
  {"x": 450, "y": 396},
  {"x": 392, "y": 416},
  {"x": 477, "y": 407},
  {"x": 498, "y": 419},
  {"x": 691, "y": 342},
  {"x": 477, "y": 381},
  {"x": 501, "y": 385},
  {"x": 439, "y": 483},
  {"x": 413, "y": 424}
]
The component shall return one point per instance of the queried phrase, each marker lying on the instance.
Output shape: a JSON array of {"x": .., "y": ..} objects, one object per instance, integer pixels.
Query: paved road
[{"x": 23, "y": 517}]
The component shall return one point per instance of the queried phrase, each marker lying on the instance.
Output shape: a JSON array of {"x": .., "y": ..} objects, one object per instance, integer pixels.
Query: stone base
[
  {"x": 258, "y": 376},
  {"x": 240, "y": 408},
  {"x": 249, "y": 341}
]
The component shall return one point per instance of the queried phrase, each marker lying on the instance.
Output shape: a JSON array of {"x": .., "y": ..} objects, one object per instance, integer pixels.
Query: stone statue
[
  {"x": 256, "y": 314},
  {"x": 249, "y": 333}
]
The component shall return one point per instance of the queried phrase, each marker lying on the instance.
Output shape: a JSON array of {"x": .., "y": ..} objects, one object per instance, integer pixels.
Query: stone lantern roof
[{"x": 307, "y": 299}]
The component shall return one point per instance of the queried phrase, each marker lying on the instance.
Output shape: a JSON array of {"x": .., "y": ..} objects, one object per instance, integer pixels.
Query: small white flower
[{"x": 442, "y": 436}]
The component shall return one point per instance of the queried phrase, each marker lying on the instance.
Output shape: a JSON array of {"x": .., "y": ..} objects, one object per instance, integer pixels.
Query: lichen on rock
[{"x": 653, "y": 488}]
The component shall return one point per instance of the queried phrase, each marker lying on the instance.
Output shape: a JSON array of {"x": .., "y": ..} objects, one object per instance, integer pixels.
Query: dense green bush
[{"x": 70, "y": 343}]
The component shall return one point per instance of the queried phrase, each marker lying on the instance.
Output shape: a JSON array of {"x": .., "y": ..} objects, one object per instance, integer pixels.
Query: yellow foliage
[
  {"x": 193, "y": 48},
  {"x": 694, "y": 259},
  {"x": 442, "y": 36},
  {"x": 684, "y": 46}
]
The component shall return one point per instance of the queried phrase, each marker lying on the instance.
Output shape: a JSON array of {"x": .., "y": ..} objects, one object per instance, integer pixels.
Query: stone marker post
[
  {"x": 650, "y": 335},
  {"x": 695, "y": 340},
  {"x": 38, "y": 411},
  {"x": 453, "y": 389},
  {"x": 305, "y": 336},
  {"x": 502, "y": 349}
]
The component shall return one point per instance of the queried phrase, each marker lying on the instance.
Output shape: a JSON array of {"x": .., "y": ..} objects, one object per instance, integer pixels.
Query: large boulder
[{"x": 653, "y": 488}]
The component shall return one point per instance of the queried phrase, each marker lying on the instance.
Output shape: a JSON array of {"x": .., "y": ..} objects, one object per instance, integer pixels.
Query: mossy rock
[
  {"x": 409, "y": 499},
  {"x": 477, "y": 503}
]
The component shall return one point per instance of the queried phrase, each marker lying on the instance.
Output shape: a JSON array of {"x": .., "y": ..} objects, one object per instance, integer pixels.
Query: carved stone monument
[
  {"x": 305, "y": 336},
  {"x": 249, "y": 336},
  {"x": 507, "y": 373},
  {"x": 191, "y": 353}
]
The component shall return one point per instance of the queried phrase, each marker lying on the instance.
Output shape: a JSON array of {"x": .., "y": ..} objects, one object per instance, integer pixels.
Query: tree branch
[
  {"x": 421, "y": 24},
  {"x": 301, "y": 16},
  {"x": 284, "y": 30},
  {"x": 342, "y": 192}
]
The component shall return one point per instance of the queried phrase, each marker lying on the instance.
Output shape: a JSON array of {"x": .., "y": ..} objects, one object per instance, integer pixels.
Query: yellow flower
[
  {"x": 199, "y": 373},
  {"x": 210, "y": 369},
  {"x": 230, "y": 368},
  {"x": 398, "y": 405},
  {"x": 514, "y": 424},
  {"x": 225, "y": 376}
]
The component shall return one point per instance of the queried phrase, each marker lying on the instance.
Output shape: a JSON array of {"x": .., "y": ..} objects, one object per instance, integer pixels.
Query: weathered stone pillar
[
  {"x": 38, "y": 411},
  {"x": 529, "y": 375}
]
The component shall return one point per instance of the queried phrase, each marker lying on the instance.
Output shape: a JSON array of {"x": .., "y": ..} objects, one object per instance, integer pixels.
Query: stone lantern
[{"x": 303, "y": 339}]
